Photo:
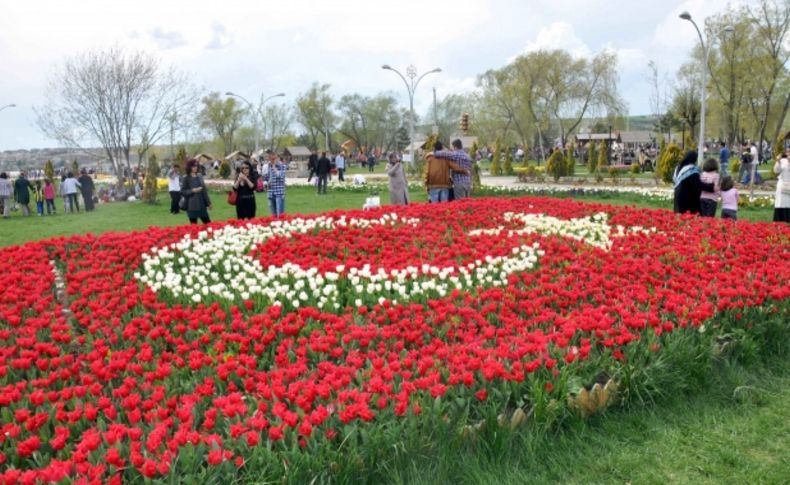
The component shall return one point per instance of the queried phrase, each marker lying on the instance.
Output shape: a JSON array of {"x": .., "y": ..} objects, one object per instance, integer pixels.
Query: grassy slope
[{"x": 729, "y": 433}]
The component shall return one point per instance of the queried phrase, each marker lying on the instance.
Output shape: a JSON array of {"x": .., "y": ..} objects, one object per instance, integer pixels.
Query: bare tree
[
  {"x": 113, "y": 97},
  {"x": 276, "y": 120}
]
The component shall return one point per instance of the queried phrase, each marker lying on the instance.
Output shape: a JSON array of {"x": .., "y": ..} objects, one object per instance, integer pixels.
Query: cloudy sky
[{"x": 253, "y": 47}]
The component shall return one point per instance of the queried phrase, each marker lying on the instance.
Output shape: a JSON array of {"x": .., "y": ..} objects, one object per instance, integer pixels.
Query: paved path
[{"x": 513, "y": 182}]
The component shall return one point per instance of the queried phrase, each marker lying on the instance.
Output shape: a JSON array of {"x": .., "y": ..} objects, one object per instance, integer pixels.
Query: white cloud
[
  {"x": 558, "y": 35},
  {"x": 166, "y": 40},
  {"x": 220, "y": 37}
]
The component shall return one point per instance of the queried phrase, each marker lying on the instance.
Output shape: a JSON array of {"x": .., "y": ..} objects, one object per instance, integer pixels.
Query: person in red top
[{"x": 49, "y": 196}]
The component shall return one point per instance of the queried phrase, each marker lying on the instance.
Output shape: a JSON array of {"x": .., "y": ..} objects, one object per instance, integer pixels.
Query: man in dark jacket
[
  {"x": 312, "y": 164},
  {"x": 22, "y": 187},
  {"x": 87, "y": 188},
  {"x": 688, "y": 185},
  {"x": 323, "y": 166}
]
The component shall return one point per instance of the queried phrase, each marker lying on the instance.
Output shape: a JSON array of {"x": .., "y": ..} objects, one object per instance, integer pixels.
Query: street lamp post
[
  {"x": 256, "y": 112},
  {"x": 705, "y": 51},
  {"x": 411, "y": 72}
]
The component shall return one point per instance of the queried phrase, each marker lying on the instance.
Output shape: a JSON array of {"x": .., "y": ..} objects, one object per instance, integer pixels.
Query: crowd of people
[
  {"x": 19, "y": 194},
  {"x": 699, "y": 192}
]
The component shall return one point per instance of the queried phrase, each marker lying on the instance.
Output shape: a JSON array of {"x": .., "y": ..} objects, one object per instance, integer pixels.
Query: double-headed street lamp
[
  {"x": 7, "y": 106},
  {"x": 705, "y": 51},
  {"x": 411, "y": 86},
  {"x": 256, "y": 112}
]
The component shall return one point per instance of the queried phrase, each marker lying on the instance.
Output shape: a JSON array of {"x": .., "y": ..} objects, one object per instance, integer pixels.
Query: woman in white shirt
[
  {"x": 174, "y": 187},
  {"x": 782, "y": 200}
]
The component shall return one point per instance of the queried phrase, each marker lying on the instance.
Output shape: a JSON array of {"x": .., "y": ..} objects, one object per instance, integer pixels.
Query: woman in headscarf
[
  {"x": 399, "y": 188},
  {"x": 688, "y": 186}
]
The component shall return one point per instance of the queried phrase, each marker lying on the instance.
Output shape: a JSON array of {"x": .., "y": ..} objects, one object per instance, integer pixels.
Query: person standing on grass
[
  {"x": 398, "y": 187},
  {"x": 462, "y": 182},
  {"x": 174, "y": 187},
  {"x": 323, "y": 167},
  {"x": 438, "y": 175},
  {"x": 688, "y": 186},
  {"x": 371, "y": 162},
  {"x": 70, "y": 187},
  {"x": 312, "y": 165},
  {"x": 49, "y": 196},
  {"x": 87, "y": 188},
  {"x": 194, "y": 190},
  {"x": 782, "y": 198},
  {"x": 340, "y": 165},
  {"x": 6, "y": 190},
  {"x": 724, "y": 158},
  {"x": 38, "y": 196},
  {"x": 245, "y": 186},
  {"x": 22, "y": 188},
  {"x": 709, "y": 200},
  {"x": 729, "y": 198},
  {"x": 276, "y": 179}
]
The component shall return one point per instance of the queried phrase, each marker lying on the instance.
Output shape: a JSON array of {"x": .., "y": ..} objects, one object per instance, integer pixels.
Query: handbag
[
  {"x": 182, "y": 203},
  {"x": 232, "y": 196},
  {"x": 259, "y": 185}
]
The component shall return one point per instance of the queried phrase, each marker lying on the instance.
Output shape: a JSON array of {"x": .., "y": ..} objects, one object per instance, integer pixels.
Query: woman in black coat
[
  {"x": 194, "y": 190},
  {"x": 245, "y": 186},
  {"x": 688, "y": 185}
]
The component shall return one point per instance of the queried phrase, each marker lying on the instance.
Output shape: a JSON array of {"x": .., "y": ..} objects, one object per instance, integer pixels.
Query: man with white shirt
[{"x": 340, "y": 165}]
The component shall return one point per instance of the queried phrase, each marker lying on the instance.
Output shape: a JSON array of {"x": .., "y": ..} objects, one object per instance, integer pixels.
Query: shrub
[
  {"x": 735, "y": 166},
  {"x": 667, "y": 162},
  {"x": 592, "y": 159},
  {"x": 555, "y": 166},
  {"x": 152, "y": 172},
  {"x": 635, "y": 168},
  {"x": 508, "y": 168},
  {"x": 496, "y": 168},
  {"x": 224, "y": 169},
  {"x": 75, "y": 168},
  {"x": 570, "y": 162},
  {"x": 602, "y": 160}
]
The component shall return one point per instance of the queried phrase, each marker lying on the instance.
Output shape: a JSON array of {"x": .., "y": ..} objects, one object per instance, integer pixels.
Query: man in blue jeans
[
  {"x": 724, "y": 158},
  {"x": 438, "y": 175},
  {"x": 276, "y": 179}
]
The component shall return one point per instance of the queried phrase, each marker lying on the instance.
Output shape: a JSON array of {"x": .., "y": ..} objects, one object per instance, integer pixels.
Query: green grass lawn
[
  {"x": 735, "y": 430},
  {"x": 126, "y": 216}
]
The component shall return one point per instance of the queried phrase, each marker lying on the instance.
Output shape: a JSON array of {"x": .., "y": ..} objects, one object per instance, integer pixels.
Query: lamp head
[
  {"x": 438, "y": 69},
  {"x": 386, "y": 66},
  {"x": 228, "y": 93},
  {"x": 729, "y": 29},
  {"x": 685, "y": 16},
  {"x": 279, "y": 94}
]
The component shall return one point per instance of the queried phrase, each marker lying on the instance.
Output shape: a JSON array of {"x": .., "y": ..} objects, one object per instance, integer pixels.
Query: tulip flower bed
[{"x": 234, "y": 348}]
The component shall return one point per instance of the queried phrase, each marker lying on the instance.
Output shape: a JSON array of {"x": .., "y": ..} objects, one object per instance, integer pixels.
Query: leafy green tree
[
  {"x": 152, "y": 173},
  {"x": 222, "y": 117},
  {"x": 181, "y": 157},
  {"x": 49, "y": 170},
  {"x": 75, "y": 167},
  {"x": 314, "y": 113}
]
